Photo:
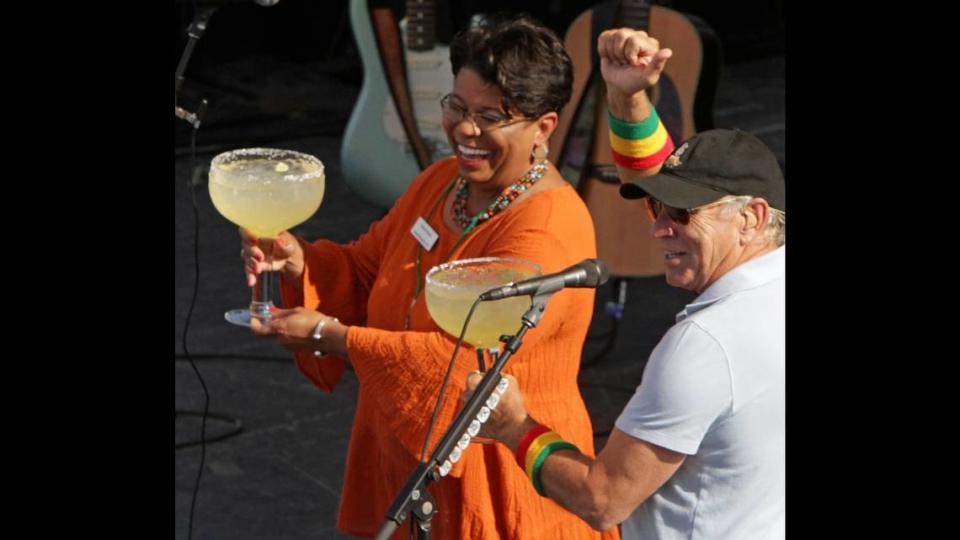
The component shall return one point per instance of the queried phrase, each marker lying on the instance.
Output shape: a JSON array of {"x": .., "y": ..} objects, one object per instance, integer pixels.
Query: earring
[{"x": 533, "y": 153}]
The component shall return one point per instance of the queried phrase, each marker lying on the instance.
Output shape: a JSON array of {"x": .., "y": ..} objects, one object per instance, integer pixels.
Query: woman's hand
[
  {"x": 293, "y": 329},
  {"x": 286, "y": 256}
]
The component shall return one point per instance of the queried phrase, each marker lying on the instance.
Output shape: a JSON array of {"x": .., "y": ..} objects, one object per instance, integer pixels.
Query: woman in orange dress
[{"x": 497, "y": 196}]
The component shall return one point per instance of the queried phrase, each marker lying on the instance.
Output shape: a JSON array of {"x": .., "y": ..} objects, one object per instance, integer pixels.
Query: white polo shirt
[{"x": 714, "y": 389}]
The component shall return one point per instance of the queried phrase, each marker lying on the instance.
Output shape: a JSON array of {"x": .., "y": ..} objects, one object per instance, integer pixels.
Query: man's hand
[
  {"x": 630, "y": 60},
  {"x": 509, "y": 421}
]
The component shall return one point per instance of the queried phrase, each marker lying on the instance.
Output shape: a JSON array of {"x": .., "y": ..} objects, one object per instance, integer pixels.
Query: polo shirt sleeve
[{"x": 686, "y": 388}]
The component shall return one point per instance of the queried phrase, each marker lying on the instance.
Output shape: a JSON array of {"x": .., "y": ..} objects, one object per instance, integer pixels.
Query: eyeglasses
[
  {"x": 454, "y": 111},
  {"x": 682, "y": 215}
]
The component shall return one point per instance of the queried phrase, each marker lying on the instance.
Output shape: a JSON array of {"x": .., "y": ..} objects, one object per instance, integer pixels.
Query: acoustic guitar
[
  {"x": 395, "y": 129},
  {"x": 580, "y": 145}
]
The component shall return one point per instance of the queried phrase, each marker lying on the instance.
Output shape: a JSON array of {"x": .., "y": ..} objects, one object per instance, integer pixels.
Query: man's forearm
[
  {"x": 577, "y": 483},
  {"x": 628, "y": 107},
  {"x": 566, "y": 477}
]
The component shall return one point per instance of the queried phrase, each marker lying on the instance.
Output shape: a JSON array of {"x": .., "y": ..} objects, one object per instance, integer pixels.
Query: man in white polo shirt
[
  {"x": 712, "y": 394},
  {"x": 698, "y": 452}
]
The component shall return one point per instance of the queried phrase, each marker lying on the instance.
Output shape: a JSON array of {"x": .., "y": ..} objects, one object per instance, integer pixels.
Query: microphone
[{"x": 586, "y": 273}]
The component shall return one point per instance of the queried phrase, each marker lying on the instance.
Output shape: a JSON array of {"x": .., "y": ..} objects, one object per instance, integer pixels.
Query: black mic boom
[{"x": 586, "y": 273}]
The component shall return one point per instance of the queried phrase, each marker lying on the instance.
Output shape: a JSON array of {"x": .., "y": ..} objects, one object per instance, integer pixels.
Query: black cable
[
  {"x": 446, "y": 378},
  {"x": 237, "y": 428},
  {"x": 195, "y": 122},
  {"x": 186, "y": 326}
]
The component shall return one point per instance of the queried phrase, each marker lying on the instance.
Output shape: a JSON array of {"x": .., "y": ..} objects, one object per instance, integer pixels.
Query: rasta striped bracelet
[
  {"x": 538, "y": 443},
  {"x": 525, "y": 443},
  {"x": 639, "y": 145}
]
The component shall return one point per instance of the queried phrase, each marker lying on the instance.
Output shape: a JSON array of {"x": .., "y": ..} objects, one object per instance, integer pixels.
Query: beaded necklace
[{"x": 506, "y": 197}]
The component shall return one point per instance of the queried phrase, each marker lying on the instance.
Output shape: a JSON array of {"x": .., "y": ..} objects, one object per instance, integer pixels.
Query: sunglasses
[
  {"x": 680, "y": 215},
  {"x": 655, "y": 208}
]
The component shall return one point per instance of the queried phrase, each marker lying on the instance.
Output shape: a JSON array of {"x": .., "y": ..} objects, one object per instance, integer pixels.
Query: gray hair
[
  {"x": 774, "y": 230},
  {"x": 776, "y": 227}
]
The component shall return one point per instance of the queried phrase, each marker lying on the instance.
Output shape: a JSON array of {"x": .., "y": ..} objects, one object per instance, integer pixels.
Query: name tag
[{"x": 424, "y": 234}]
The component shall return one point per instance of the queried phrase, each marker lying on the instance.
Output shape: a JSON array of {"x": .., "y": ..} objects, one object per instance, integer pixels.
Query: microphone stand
[
  {"x": 195, "y": 32},
  {"x": 414, "y": 497}
]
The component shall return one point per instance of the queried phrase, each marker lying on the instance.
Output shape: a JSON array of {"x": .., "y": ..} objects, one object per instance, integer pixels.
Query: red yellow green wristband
[
  {"x": 525, "y": 441},
  {"x": 542, "y": 457},
  {"x": 536, "y": 447},
  {"x": 639, "y": 145}
]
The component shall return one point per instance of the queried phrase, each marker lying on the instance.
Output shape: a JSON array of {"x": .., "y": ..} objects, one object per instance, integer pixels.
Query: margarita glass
[
  {"x": 451, "y": 289},
  {"x": 266, "y": 191}
]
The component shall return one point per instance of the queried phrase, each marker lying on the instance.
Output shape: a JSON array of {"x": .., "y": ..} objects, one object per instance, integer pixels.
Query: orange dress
[{"x": 369, "y": 283}]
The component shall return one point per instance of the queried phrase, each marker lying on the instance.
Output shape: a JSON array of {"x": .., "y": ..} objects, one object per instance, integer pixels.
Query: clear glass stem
[{"x": 261, "y": 306}]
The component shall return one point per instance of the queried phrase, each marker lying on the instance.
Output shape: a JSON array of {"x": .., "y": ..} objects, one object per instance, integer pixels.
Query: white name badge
[{"x": 424, "y": 234}]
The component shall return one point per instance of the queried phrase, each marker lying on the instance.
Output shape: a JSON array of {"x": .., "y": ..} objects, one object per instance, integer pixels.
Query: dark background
[
  {"x": 247, "y": 49},
  {"x": 305, "y": 30}
]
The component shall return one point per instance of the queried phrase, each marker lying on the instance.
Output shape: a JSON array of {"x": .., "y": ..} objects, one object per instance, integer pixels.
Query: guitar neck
[
  {"x": 634, "y": 13},
  {"x": 421, "y": 25}
]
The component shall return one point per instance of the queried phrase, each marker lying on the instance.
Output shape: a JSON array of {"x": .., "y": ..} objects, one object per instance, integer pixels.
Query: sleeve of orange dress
[
  {"x": 337, "y": 280},
  {"x": 405, "y": 369}
]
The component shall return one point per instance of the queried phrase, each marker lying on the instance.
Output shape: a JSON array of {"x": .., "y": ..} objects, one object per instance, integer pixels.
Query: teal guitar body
[{"x": 377, "y": 158}]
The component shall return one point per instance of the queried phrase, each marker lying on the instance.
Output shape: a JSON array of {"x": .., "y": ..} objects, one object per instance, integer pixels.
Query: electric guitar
[
  {"x": 395, "y": 129},
  {"x": 683, "y": 97}
]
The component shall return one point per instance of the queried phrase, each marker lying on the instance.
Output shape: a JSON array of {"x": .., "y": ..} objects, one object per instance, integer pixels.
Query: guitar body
[
  {"x": 377, "y": 158},
  {"x": 577, "y": 43},
  {"x": 680, "y": 78},
  {"x": 429, "y": 77},
  {"x": 624, "y": 241},
  {"x": 375, "y": 167}
]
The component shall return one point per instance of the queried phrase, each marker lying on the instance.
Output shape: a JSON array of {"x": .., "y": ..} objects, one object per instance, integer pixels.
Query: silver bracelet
[{"x": 318, "y": 333}]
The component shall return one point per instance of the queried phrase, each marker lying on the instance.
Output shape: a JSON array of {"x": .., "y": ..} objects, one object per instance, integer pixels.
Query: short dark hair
[{"x": 524, "y": 59}]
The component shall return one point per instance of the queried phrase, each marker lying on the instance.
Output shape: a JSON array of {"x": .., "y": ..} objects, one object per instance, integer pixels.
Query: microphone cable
[
  {"x": 196, "y": 287},
  {"x": 443, "y": 387},
  {"x": 186, "y": 327},
  {"x": 446, "y": 378}
]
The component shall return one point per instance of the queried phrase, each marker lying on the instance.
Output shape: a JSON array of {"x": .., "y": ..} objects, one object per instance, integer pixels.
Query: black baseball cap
[{"x": 711, "y": 165}]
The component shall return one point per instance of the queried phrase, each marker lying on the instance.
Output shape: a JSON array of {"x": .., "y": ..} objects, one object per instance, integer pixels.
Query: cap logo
[{"x": 674, "y": 159}]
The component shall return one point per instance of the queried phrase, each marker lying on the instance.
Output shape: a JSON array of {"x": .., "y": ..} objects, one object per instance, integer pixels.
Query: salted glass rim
[
  {"x": 270, "y": 153},
  {"x": 463, "y": 262}
]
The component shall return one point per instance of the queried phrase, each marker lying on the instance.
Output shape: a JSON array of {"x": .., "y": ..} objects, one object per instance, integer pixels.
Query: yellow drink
[
  {"x": 266, "y": 191},
  {"x": 453, "y": 287}
]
